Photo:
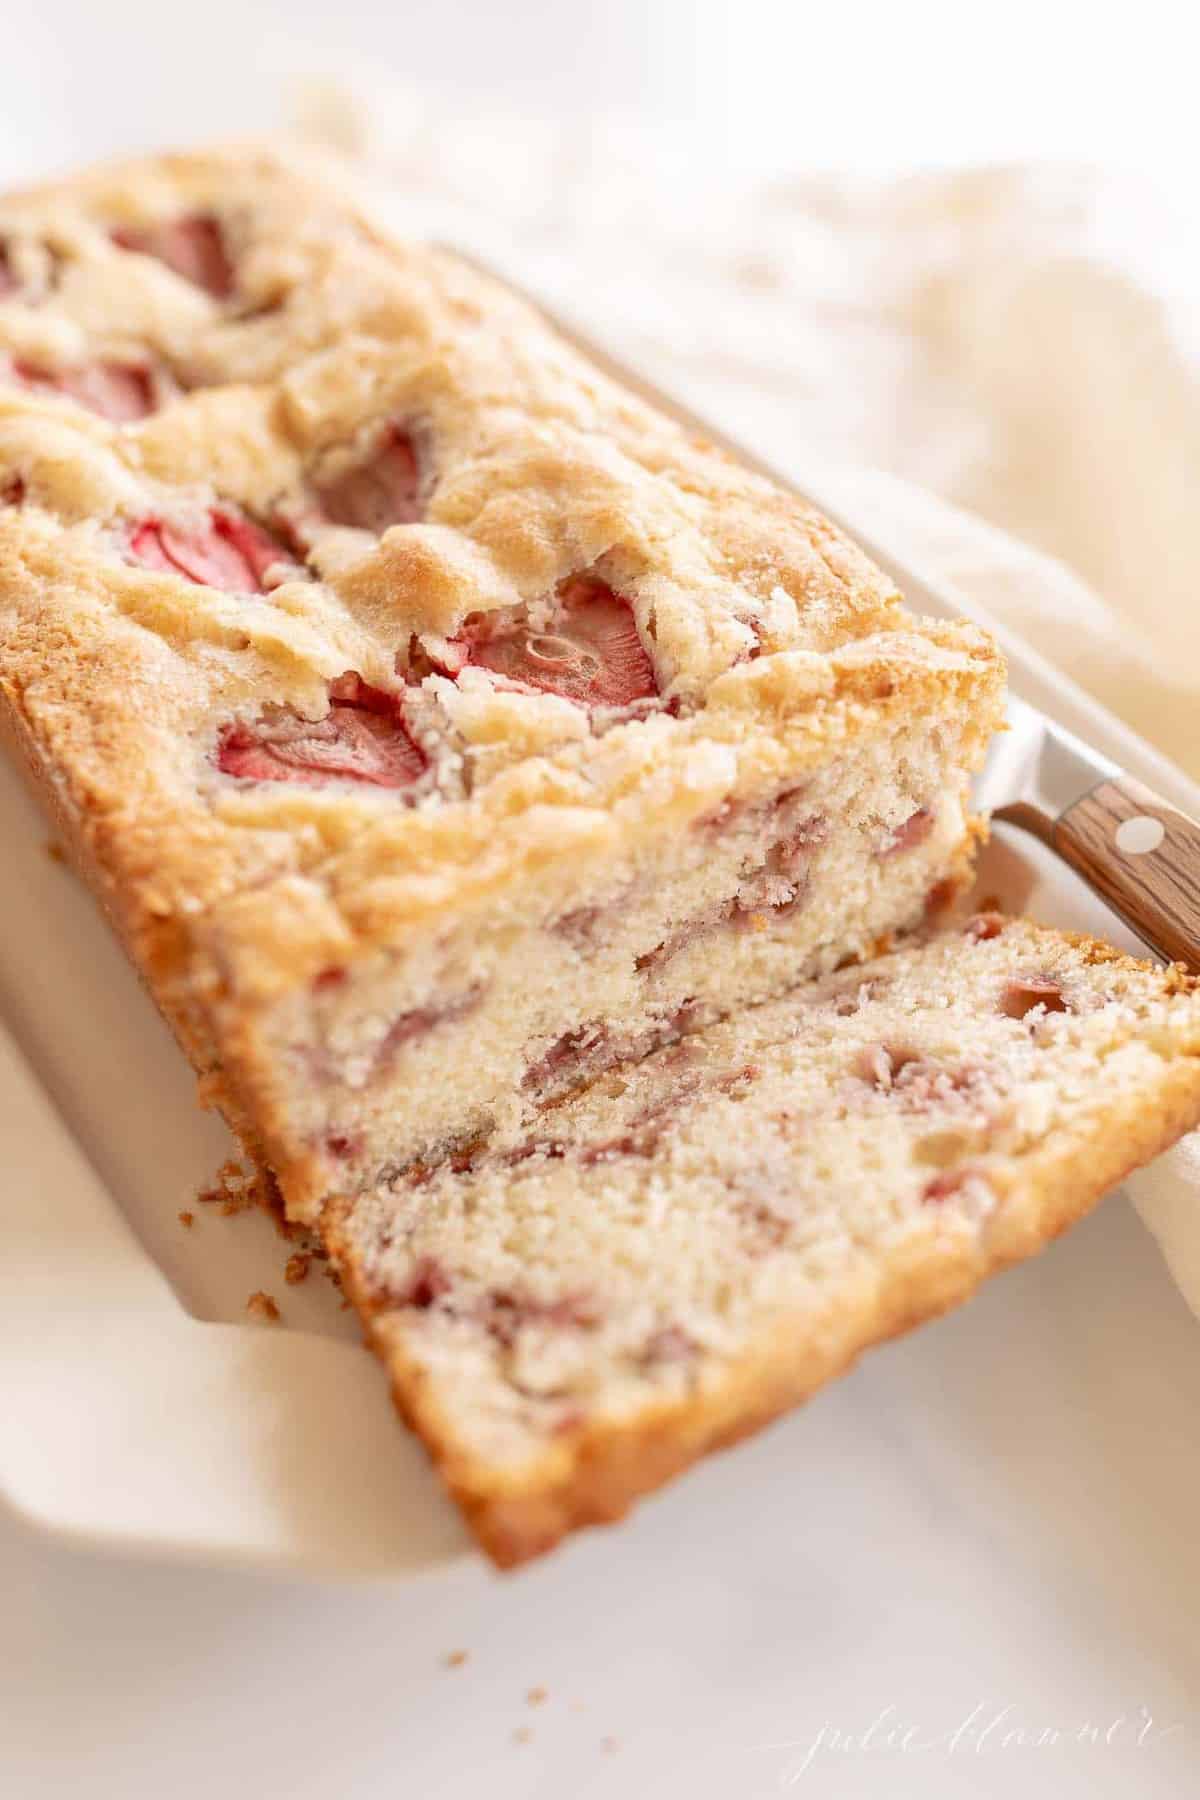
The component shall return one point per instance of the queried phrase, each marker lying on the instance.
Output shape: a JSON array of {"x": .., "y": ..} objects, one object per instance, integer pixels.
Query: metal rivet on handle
[{"x": 1136, "y": 837}]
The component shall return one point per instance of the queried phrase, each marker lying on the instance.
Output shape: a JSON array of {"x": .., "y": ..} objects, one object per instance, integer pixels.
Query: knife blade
[{"x": 1036, "y": 771}]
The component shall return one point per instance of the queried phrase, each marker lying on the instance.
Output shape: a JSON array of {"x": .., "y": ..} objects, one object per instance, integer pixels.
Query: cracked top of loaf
[{"x": 325, "y": 561}]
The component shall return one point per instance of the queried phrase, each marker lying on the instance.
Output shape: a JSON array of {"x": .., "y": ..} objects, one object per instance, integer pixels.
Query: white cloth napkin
[{"x": 976, "y": 354}]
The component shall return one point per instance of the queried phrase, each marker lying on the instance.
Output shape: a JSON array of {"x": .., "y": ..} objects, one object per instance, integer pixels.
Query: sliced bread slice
[{"x": 697, "y": 1241}]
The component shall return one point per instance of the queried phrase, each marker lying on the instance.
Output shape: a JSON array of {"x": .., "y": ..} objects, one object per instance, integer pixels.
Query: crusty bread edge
[
  {"x": 157, "y": 950},
  {"x": 594, "y": 1476}
]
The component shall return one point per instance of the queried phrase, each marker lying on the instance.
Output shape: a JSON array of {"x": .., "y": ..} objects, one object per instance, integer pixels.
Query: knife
[{"x": 1134, "y": 849}]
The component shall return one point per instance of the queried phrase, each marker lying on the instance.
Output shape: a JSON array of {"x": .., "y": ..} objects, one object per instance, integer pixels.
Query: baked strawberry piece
[
  {"x": 121, "y": 392},
  {"x": 223, "y": 549},
  {"x": 586, "y": 647},
  {"x": 191, "y": 246},
  {"x": 362, "y": 738},
  {"x": 381, "y": 490},
  {"x": 572, "y": 1314}
]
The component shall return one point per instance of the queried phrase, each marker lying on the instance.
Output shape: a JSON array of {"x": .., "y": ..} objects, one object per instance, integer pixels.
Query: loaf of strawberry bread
[
  {"x": 571, "y": 1315},
  {"x": 440, "y": 725}
]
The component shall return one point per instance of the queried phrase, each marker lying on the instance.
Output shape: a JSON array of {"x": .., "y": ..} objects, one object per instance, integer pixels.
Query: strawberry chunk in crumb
[
  {"x": 967, "y": 1184},
  {"x": 427, "y": 1284},
  {"x": 381, "y": 491},
  {"x": 122, "y": 392},
  {"x": 505, "y": 1313},
  {"x": 984, "y": 926},
  {"x": 8, "y": 281},
  {"x": 590, "y": 652},
  {"x": 1022, "y": 995},
  {"x": 906, "y": 836},
  {"x": 363, "y": 738},
  {"x": 669, "y": 1344},
  {"x": 226, "y": 550},
  {"x": 192, "y": 246}
]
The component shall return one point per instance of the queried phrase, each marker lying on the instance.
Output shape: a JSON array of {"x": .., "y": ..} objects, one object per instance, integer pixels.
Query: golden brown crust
[{"x": 155, "y": 946}]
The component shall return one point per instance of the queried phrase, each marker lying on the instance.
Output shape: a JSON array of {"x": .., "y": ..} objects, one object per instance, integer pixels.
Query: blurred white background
[{"x": 760, "y": 83}]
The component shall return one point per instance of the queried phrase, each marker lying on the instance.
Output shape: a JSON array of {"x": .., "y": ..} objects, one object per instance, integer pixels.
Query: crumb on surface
[
  {"x": 271, "y": 1200},
  {"x": 234, "y": 1189},
  {"x": 187, "y": 1220},
  {"x": 262, "y": 1305},
  {"x": 454, "y": 1659},
  {"x": 537, "y": 1696},
  {"x": 296, "y": 1268},
  {"x": 239, "y": 1187},
  {"x": 609, "y": 1744},
  {"x": 523, "y": 1734},
  {"x": 55, "y": 851}
]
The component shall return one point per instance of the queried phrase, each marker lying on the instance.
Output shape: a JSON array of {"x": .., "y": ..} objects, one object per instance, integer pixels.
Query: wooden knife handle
[{"x": 1143, "y": 856}]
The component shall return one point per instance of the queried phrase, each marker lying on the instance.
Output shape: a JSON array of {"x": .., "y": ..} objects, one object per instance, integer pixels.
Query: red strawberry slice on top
[
  {"x": 120, "y": 392},
  {"x": 362, "y": 738},
  {"x": 226, "y": 551},
  {"x": 192, "y": 246},
  {"x": 381, "y": 491},
  {"x": 591, "y": 653}
]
